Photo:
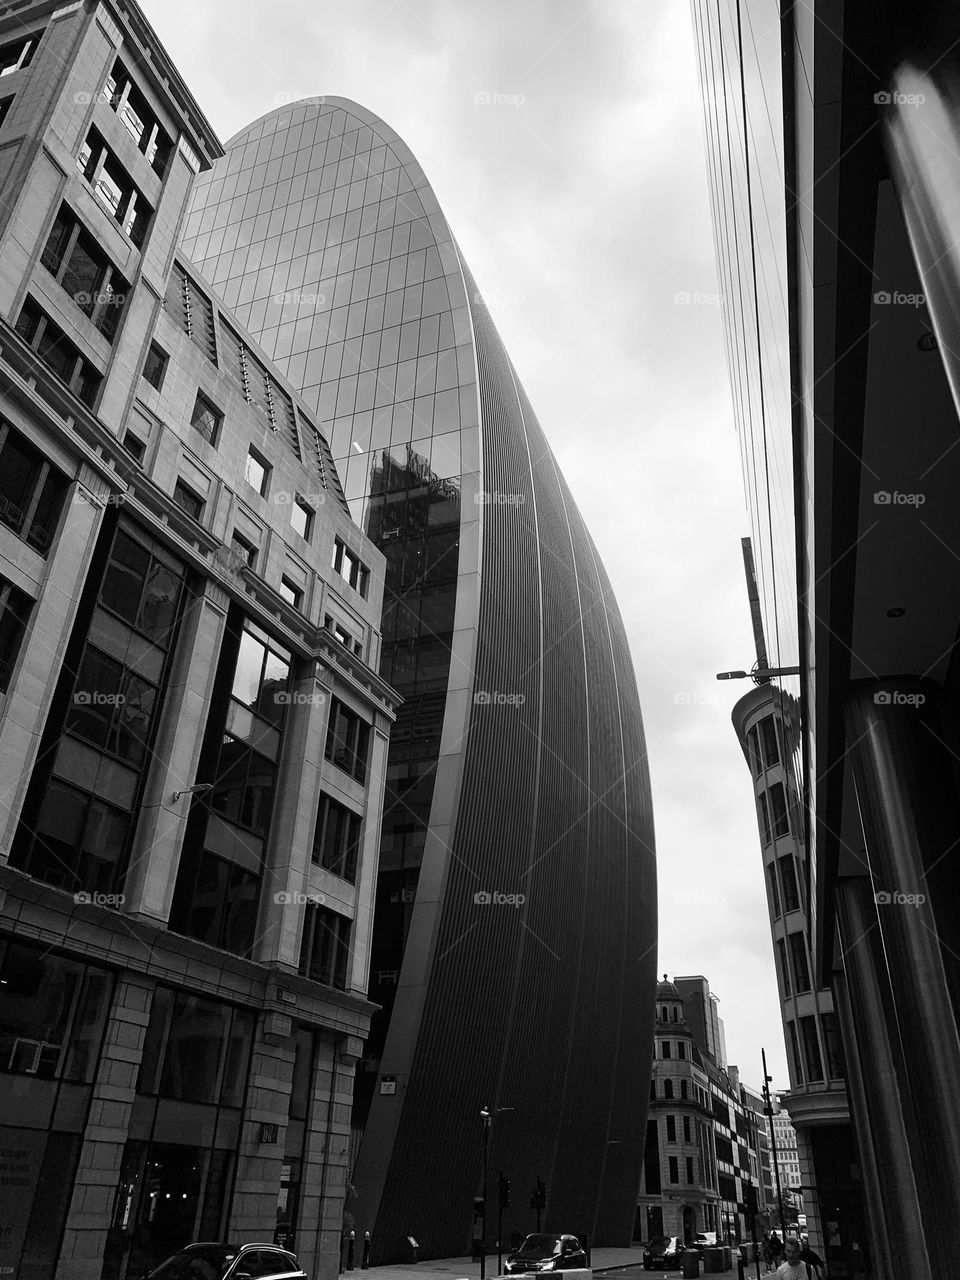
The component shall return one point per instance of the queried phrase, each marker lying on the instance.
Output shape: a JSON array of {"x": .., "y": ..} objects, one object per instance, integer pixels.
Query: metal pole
[
  {"x": 486, "y": 1117},
  {"x": 768, "y": 1112},
  {"x": 499, "y": 1223}
]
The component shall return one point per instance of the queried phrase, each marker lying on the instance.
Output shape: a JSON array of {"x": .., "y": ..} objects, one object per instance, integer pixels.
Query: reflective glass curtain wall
[{"x": 517, "y": 765}]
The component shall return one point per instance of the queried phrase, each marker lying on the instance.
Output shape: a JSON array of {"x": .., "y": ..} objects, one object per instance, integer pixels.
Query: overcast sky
[{"x": 564, "y": 141}]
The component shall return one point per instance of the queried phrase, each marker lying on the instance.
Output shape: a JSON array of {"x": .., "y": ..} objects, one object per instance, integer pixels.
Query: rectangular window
[
  {"x": 811, "y": 1049},
  {"x": 138, "y": 118},
  {"x": 58, "y": 353},
  {"x": 681, "y": 1049},
  {"x": 689, "y": 1169},
  {"x": 206, "y": 418},
  {"x": 188, "y": 501},
  {"x": 779, "y": 819},
  {"x": 341, "y": 634},
  {"x": 753, "y": 751},
  {"x": 15, "y": 606},
  {"x": 191, "y": 309},
  {"x": 325, "y": 950},
  {"x": 336, "y": 841},
  {"x": 674, "y": 1169},
  {"x": 774, "y": 890},
  {"x": 196, "y": 1049},
  {"x": 686, "y": 1128},
  {"x": 155, "y": 366},
  {"x": 257, "y": 472},
  {"x": 291, "y": 592},
  {"x": 18, "y": 54},
  {"x": 52, "y": 1013},
  {"x": 134, "y": 446},
  {"x": 348, "y": 738},
  {"x": 245, "y": 550},
  {"x": 801, "y": 970},
  {"x": 350, "y": 567},
  {"x": 665, "y": 1049},
  {"x": 763, "y": 816},
  {"x": 833, "y": 1044},
  {"x": 784, "y": 967},
  {"x": 83, "y": 270},
  {"x": 301, "y": 517},
  {"x": 32, "y": 492},
  {"x": 114, "y": 188},
  {"x": 5, "y": 105},
  {"x": 671, "y": 1128},
  {"x": 768, "y": 742},
  {"x": 795, "y": 1053},
  {"x": 788, "y": 878}
]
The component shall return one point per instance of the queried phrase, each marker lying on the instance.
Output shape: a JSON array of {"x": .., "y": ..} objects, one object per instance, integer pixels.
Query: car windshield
[
  {"x": 538, "y": 1246},
  {"x": 200, "y": 1262}
]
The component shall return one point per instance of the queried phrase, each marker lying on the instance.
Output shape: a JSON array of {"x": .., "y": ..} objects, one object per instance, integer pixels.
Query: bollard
[
  {"x": 365, "y": 1259},
  {"x": 351, "y": 1240}
]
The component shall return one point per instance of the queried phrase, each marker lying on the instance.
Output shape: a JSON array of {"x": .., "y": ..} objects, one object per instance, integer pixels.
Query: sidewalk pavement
[{"x": 469, "y": 1269}]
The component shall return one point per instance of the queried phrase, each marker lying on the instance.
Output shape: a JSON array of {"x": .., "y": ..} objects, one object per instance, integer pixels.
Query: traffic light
[
  {"x": 504, "y": 1192},
  {"x": 750, "y": 1199}
]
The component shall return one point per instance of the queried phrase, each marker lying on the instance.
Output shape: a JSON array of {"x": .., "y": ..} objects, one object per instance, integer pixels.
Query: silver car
[{"x": 230, "y": 1262}]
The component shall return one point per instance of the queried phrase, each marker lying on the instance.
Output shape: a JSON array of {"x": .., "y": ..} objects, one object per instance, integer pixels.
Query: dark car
[
  {"x": 230, "y": 1262},
  {"x": 542, "y": 1252},
  {"x": 663, "y": 1253}
]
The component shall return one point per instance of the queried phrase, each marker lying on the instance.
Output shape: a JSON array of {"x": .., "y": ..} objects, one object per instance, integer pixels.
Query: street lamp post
[
  {"x": 768, "y": 1112},
  {"x": 486, "y": 1115}
]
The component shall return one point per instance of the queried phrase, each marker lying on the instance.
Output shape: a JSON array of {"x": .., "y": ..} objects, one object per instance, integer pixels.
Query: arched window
[
  {"x": 668, "y": 1088},
  {"x": 683, "y": 1088},
  {"x": 674, "y": 1015}
]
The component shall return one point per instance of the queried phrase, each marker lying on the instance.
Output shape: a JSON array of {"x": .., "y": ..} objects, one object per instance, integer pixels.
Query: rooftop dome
[{"x": 667, "y": 991}]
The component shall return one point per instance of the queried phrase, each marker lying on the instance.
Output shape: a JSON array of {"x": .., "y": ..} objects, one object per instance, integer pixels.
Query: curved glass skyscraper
[{"x": 515, "y": 929}]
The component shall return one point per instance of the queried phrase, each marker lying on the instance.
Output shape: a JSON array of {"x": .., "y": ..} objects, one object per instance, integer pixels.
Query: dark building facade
[
  {"x": 867, "y": 290},
  {"x": 193, "y": 733},
  {"x": 515, "y": 925}
]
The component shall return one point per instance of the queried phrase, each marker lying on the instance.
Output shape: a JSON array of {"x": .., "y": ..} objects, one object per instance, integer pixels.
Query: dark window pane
[
  {"x": 206, "y": 419},
  {"x": 155, "y": 366},
  {"x": 20, "y": 467},
  {"x": 123, "y": 580},
  {"x": 158, "y": 610},
  {"x": 96, "y": 696},
  {"x": 57, "y": 241},
  {"x": 14, "y": 616},
  {"x": 82, "y": 276},
  {"x": 46, "y": 515},
  {"x": 195, "y": 1044},
  {"x": 37, "y": 995},
  {"x": 189, "y": 501}
]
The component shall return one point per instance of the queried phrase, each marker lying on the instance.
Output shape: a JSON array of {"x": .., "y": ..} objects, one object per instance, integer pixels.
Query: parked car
[
  {"x": 663, "y": 1253},
  {"x": 544, "y": 1252},
  {"x": 705, "y": 1240},
  {"x": 230, "y": 1262}
]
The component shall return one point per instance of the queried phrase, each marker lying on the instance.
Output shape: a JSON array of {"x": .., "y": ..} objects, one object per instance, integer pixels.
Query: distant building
[{"x": 702, "y": 1150}]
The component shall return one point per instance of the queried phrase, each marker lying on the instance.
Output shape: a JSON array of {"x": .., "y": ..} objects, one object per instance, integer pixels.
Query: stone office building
[
  {"x": 700, "y": 1153},
  {"x": 193, "y": 735}
]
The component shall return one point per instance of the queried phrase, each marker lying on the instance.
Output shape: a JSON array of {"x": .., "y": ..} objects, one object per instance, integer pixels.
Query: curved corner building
[{"x": 515, "y": 927}]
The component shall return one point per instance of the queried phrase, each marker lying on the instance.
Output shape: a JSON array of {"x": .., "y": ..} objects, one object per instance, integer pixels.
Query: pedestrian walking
[
  {"x": 792, "y": 1268},
  {"x": 813, "y": 1262}
]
